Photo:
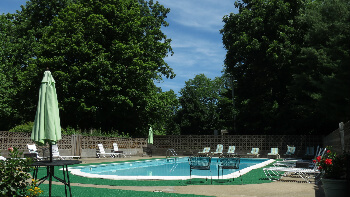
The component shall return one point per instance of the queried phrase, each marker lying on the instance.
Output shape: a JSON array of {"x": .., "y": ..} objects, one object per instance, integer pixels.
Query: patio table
[{"x": 50, "y": 172}]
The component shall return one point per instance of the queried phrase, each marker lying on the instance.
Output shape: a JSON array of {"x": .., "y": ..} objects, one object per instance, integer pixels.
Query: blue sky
[{"x": 194, "y": 27}]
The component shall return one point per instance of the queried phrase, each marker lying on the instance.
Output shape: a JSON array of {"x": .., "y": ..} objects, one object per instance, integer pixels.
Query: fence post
[{"x": 341, "y": 135}]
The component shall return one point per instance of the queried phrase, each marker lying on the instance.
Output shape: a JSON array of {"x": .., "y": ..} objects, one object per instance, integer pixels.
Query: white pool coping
[{"x": 236, "y": 174}]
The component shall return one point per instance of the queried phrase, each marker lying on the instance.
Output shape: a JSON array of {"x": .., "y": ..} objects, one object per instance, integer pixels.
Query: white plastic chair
[
  {"x": 32, "y": 149},
  {"x": 117, "y": 151},
  {"x": 56, "y": 154},
  {"x": 274, "y": 152},
  {"x": 103, "y": 152},
  {"x": 231, "y": 150},
  {"x": 254, "y": 152},
  {"x": 218, "y": 150}
]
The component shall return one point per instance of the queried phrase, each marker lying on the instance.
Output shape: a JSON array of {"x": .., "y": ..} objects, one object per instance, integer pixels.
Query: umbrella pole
[
  {"x": 51, "y": 170},
  {"x": 50, "y": 151}
]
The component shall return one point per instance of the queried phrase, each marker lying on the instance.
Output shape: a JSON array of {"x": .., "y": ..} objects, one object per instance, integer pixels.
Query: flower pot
[{"x": 335, "y": 187}]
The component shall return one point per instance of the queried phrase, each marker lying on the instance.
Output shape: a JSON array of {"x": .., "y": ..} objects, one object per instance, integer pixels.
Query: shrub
[
  {"x": 14, "y": 174},
  {"x": 27, "y": 128}
]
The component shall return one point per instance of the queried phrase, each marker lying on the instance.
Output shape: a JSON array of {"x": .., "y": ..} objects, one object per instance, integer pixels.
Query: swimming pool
[{"x": 163, "y": 169}]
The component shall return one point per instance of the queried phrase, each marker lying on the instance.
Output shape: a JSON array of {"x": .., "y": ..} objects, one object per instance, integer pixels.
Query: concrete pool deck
[{"x": 278, "y": 188}]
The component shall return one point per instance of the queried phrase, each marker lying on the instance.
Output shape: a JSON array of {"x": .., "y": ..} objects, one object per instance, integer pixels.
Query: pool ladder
[{"x": 171, "y": 152}]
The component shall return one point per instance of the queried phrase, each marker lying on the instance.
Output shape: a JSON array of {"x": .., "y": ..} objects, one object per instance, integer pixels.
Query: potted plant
[{"x": 333, "y": 169}]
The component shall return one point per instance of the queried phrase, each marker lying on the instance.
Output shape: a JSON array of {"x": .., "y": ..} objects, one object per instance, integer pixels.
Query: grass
[{"x": 255, "y": 176}]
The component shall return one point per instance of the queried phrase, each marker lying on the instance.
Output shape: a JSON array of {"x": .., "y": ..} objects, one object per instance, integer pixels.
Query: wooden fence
[{"x": 339, "y": 139}]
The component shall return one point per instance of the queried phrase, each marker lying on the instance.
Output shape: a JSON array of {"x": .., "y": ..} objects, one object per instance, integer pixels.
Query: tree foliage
[
  {"x": 104, "y": 55},
  {"x": 287, "y": 58},
  {"x": 199, "y": 113}
]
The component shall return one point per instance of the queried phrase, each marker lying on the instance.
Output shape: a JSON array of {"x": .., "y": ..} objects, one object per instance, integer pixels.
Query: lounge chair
[
  {"x": 231, "y": 150},
  {"x": 254, "y": 152},
  {"x": 219, "y": 150},
  {"x": 205, "y": 151},
  {"x": 301, "y": 172},
  {"x": 56, "y": 154},
  {"x": 103, "y": 153},
  {"x": 117, "y": 151},
  {"x": 274, "y": 152},
  {"x": 290, "y": 150},
  {"x": 34, "y": 151}
]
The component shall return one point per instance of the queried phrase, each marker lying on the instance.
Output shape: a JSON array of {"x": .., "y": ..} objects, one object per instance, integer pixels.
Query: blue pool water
[{"x": 159, "y": 168}]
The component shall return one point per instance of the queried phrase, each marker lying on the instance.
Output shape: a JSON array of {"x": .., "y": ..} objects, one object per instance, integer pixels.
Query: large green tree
[
  {"x": 321, "y": 78},
  {"x": 104, "y": 55},
  {"x": 291, "y": 63},
  {"x": 261, "y": 42},
  {"x": 199, "y": 111}
]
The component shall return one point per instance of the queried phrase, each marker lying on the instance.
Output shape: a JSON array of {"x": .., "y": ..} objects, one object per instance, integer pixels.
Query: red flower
[
  {"x": 314, "y": 160},
  {"x": 10, "y": 149},
  {"x": 328, "y": 151},
  {"x": 328, "y": 161},
  {"x": 319, "y": 158},
  {"x": 320, "y": 167}
]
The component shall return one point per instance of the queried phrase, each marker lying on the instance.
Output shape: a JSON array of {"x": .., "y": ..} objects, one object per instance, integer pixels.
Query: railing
[{"x": 170, "y": 151}]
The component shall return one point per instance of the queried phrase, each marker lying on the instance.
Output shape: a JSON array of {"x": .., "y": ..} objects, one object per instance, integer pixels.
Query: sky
[{"x": 194, "y": 27}]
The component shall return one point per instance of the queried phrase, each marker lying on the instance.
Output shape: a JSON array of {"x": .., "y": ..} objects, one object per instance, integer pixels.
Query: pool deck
[{"x": 278, "y": 188}]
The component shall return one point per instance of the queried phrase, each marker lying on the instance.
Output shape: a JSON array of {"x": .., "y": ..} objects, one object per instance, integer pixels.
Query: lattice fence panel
[{"x": 242, "y": 142}]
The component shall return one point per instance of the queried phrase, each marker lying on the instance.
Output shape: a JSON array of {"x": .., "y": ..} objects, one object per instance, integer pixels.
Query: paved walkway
[{"x": 274, "y": 189}]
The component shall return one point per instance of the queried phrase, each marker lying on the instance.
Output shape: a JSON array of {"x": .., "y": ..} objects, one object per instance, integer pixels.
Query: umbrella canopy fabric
[
  {"x": 47, "y": 120},
  {"x": 150, "y": 136}
]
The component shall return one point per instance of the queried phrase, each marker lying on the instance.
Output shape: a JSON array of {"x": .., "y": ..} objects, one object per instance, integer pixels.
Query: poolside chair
[
  {"x": 228, "y": 163},
  {"x": 117, "y": 151},
  {"x": 103, "y": 152},
  {"x": 205, "y": 151},
  {"x": 34, "y": 151},
  {"x": 290, "y": 150},
  {"x": 199, "y": 163},
  {"x": 56, "y": 154},
  {"x": 274, "y": 152},
  {"x": 231, "y": 150},
  {"x": 301, "y": 172},
  {"x": 254, "y": 152},
  {"x": 219, "y": 150}
]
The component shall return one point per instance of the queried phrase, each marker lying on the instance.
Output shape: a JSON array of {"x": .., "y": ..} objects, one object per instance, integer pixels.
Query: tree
[
  {"x": 291, "y": 63},
  {"x": 104, "y": 55},
  {"x": 322, "y": 73},
  {"x": 199, "y": 113},
  {"x": 261, "y": 42}
]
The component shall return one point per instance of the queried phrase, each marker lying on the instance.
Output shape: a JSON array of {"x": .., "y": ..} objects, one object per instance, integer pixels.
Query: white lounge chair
[
  {"x": 103, "y": 153},
  {"x": 32, "y": 149},
  {"x": 205, "y": 151},
  {"x": 290, "y": 150},
  {"x": 218, "y": 150},
  {"x": 302, "y": 172},
  {"x": 56, "y": 154},
  {"x": 274, "y": 152},
  {"x": 254, "y": 152},
  {"x": 117, "y": 151},
  {"x": 231, "y": 150}
]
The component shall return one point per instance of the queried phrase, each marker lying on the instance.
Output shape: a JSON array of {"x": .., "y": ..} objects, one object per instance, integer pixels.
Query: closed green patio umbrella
[
  {"x": 150, "y": 136},
  {"x": 47, "y": 127}
]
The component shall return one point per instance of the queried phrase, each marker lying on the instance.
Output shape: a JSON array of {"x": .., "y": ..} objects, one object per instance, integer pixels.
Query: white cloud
[{"x": 203, "y": 14}]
